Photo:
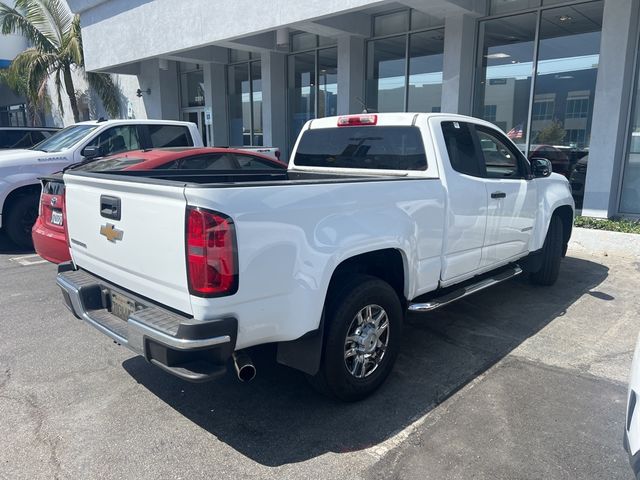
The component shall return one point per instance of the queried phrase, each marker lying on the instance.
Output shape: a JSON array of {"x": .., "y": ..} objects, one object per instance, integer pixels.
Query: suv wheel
[{"x": 21, "y": 216}]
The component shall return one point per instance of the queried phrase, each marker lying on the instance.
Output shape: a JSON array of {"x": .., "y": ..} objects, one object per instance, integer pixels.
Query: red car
[{"x": 49, "y": 232}]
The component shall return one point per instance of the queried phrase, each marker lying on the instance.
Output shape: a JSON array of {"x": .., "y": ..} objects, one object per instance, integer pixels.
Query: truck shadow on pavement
[{"x": 278, "y": 419}]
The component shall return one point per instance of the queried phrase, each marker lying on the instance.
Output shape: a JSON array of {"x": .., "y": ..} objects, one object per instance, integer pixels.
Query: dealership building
[{"x": 560, "y": 77}]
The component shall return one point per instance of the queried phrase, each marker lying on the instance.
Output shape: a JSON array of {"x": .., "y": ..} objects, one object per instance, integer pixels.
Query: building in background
[
  {"x": 12, "y": 107},
  {"x": 560, "y": 77}
]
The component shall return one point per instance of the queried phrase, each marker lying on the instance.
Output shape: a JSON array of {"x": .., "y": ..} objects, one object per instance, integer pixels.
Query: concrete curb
[{"x": 602, "y": 242}]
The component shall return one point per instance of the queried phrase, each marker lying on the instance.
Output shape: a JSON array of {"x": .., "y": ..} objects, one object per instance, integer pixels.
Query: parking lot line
[{"x": 28, "y": 260}]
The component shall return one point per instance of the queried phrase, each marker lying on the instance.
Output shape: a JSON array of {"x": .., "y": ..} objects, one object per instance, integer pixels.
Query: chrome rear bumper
[{"x": 195, "y": 351}]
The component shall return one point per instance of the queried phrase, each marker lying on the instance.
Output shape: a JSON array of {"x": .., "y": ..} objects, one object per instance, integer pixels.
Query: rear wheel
[
  {"x": 551, "y": 255},
  {"x": 21, "y": 215},
  {"x": 364, "y": 326}
]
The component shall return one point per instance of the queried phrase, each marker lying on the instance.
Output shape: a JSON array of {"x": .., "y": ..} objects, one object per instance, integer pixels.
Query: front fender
[{"x": 553, "y": 192}]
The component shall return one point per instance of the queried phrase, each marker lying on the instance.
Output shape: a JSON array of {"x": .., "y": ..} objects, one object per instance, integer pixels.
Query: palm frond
[
  {"x": 109, "y": 93},
  {"x": 55, "y": 16},
  {"x": 13, "y": 20}
]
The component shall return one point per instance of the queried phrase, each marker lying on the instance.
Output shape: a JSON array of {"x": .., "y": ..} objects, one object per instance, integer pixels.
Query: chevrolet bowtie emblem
[{"x": 111, "y": 232}]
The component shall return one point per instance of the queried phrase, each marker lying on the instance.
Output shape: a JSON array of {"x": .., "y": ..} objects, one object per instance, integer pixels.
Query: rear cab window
[
  {"x": 163, "y": 136},
  {"x": 366, "y": 147}
]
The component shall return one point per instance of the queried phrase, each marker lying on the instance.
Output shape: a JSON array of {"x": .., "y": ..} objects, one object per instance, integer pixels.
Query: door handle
[
  {"x": 110, "y": 207},
  {"x": 498, "y": 195}
]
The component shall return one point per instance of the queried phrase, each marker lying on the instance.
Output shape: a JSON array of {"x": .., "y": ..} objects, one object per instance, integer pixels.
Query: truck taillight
[
  {"x": 357, "y": 120},
  {"x": 212, "y": 259}
]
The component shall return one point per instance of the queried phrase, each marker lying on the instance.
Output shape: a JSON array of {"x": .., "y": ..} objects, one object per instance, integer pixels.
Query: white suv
[{"x": 20, "y": 169}]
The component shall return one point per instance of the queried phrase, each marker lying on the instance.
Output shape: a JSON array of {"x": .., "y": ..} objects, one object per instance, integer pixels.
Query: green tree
[
  {"x": 54, "y": 33},
  {"x": 552, "y": 134}
]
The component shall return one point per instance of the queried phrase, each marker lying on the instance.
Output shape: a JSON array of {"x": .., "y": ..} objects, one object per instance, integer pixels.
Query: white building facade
[{"x": 561, "y": 77}]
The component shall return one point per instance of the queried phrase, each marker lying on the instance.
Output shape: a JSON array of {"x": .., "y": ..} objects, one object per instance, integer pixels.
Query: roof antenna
[
  {"x": 364, "y": 106},
  {"x": 102, "y": 119}
]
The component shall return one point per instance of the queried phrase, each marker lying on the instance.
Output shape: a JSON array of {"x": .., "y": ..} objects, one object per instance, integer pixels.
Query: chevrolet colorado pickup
[{"x": 376, "y": 215}]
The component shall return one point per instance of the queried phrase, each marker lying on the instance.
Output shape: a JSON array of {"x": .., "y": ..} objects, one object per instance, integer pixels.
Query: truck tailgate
[{"x": 131, "y": 233}]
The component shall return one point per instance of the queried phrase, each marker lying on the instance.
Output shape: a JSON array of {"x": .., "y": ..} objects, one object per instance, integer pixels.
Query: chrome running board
[{"x": 465, "y": 291}]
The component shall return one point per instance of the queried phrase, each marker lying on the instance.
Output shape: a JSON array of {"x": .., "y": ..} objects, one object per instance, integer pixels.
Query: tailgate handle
[{"x": 110, "y": 207}]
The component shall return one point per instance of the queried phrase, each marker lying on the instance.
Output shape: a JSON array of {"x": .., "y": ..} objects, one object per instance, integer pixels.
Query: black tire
[
  {"x": 353, "y": 294},
  {"x": 21, "y": 215},
  {"x": 551, "y": 255}
]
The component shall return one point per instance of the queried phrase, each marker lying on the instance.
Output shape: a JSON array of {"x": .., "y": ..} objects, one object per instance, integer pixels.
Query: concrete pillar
[
  {"x": 274, "y": 101},
  {"x": 611, "y": 107},
  {"x": 163, "y": 100},
  {"x": 215, "y": 96},
  {"x": 351, "y": 59},
  {"x": 458, "y": 63}
]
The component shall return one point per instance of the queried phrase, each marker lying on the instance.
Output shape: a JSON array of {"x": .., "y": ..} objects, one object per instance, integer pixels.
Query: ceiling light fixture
[
  {"x": 565, "y": 18},
  {"x": 495, "y": 56}
]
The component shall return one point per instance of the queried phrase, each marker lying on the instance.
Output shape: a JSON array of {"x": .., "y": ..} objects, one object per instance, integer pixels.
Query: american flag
[{"x": 516, "y": 132}]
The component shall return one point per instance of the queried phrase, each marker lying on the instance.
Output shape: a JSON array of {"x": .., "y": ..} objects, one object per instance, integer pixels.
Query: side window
[
  {"x": 249, "y": 162},
  {"x": 461, "y": 147},
  {"x": 37, "y": 136},
  {"x": 215, "y": 161},
  {"x": 117, "y": 139},
  {"x": 162, "y": 136},
  {"x": 500, "y": 159}
]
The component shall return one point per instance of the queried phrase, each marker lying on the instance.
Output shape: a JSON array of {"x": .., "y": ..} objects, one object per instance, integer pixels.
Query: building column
[
  {"x": 215, "y": 97},
  {"x": 163, "y": 100},
  {"x": 611, "y": 107},
  {"x": 274, "y": 101},
  {"x": 458, "y": 64},
  {"x": 351, "y": 74}
]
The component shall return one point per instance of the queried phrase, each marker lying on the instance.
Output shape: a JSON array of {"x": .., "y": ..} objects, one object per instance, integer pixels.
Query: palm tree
[{"x": 54, "y": 33}]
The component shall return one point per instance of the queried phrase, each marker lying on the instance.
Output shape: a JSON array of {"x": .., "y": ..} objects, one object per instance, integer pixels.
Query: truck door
[
  {"x": 511, "y": 198},
  {"x": 466, "y": 218}
]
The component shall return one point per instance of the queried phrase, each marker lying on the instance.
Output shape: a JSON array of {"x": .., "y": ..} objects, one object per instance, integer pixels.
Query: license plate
[
  {"x": 121, "y": 306},
  {"x": 56, "y": 217}
]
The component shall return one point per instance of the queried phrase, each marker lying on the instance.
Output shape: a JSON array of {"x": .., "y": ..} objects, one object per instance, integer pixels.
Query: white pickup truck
[
  {"x": 20, "y": 169},
  {"x": 376, "y": 215}
]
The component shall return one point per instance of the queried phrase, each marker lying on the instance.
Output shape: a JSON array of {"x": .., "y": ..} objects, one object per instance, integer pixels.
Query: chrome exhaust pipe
[{"x": 245, "y": 370}]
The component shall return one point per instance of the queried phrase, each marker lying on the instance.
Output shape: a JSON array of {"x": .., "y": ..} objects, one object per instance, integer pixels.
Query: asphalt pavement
[{"x": 515, "y": 382}]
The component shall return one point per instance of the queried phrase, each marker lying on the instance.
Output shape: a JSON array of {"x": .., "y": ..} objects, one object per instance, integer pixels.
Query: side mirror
[
  {"x": 541, "y": 167},
  {"x": 92, "y": 152}
]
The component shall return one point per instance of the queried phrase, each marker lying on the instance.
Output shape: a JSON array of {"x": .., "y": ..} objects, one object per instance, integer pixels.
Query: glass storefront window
[
  {"x": 301, "y": 90},
  {"x": 386, "y": 74},
  {"x": 425, "y": 71},
  {"x": 505, "y": 67},
  {"x": 245, "y": 103},
  {"x": 327, "y": 82},
  {"x": 312, "y": 87},
  {"x": 568, "y": 56},
  {"x": 554, "y": 120},
  {"x": 192, "y": 85},
  {"x": 630, "y": 195},
  {"x": 303, "y": 41}
]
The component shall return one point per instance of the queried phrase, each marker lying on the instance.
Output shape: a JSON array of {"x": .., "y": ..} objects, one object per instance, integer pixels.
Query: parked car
[
  {"x": 632, "y": 420},
  {"x": 49, "y": 231},
  {"x": 322, "y": 259},
  {"x": 20, "y": 169},
  {"x": 577, "y": 180},
  {"x": 558, "y": 156},
  {"x": 23, "y": 137}
]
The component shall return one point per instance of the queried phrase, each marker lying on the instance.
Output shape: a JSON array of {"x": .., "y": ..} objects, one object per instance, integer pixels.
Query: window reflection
[
  {"x": 568, "y": 57},
  {"x": 505, "y": 64},
  {"x": 425, "y": 71},
  {"x": 630, "y": 198}
]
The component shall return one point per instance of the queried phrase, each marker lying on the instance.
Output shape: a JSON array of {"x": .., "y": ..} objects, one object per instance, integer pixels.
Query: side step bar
[{"x": 465, "y": 291}]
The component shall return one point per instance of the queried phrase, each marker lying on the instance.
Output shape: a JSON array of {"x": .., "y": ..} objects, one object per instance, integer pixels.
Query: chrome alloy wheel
[{"x": 367, "y": 341}]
